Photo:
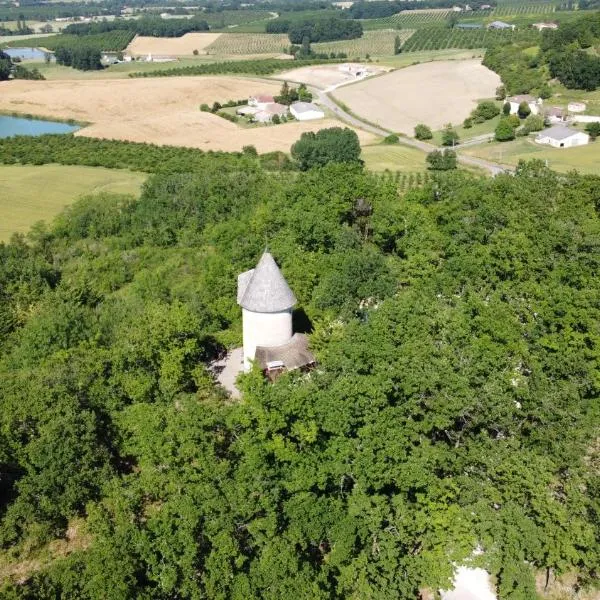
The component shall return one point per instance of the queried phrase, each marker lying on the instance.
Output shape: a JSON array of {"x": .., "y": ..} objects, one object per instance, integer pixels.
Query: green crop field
[
  {"x": 393, "y": 157},
  {"x": 249, "y": 43},
  {"x": 439, "y": 38},
  {"x": 234, "y": 18},
  {"x": 374, "y": 43},
  {"x": 523, "y": 9},
  {"x": 583, "y": 158},
  {"x": 407, "y": 19},
  {"x": 112, "y": 40},
  {"x": 32, "y": 193}
]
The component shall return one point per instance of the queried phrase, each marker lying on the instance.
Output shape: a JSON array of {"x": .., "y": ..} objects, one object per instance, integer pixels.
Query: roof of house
[
  {"x": 303, "y": 107},
  {"x": 293, "y": 355},
  {"x": 263, "y": 98},
  {"x": 499, "y": 25},
  {"x": 555, "y": 111},
  {"x": 274, "y": 108},
  {"x": 558, "y": 133},
  {"x": 522, "y": 98},
  {"x": 264, "y": 289}
]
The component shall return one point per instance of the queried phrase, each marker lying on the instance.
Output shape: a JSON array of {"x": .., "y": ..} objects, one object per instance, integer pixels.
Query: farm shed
[
  {"x": 562, "y": 137},
  {"x": 306, "y": 111},
  {"x": 500, "y": 25}
]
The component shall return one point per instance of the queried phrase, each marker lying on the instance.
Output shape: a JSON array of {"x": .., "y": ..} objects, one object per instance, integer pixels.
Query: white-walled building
[
  {"x": 535, "y": 104},
  {"x": 306, "y": 111},
  {"x": 267, "y": 301},
  {"x": 260, "y": 100},
  {"x": 562, "y": 137}
]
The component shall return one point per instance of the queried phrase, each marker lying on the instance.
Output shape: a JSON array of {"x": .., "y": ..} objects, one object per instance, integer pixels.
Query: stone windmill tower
[{"x": 267, "y": 301}]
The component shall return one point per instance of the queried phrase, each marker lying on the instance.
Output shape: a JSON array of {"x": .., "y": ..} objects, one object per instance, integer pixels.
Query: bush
[
  {"x": 524, "y": 111},
  {"x": 514, "y": 121},
  {"x": 485, "y": 111},
  {"x": 506, "y": 109},
  {"x": 422, "y": 132},
  {"x": 275, "y": 120},
  {"x": 205, "y": 108},
  {"x": 449, "y": 136},
  {"x": 504, "y": 131},
  {"x": 391, "y": 139},
  {"x": 468, "y": 123},
  {"x": 500, "y": 92},
  {"x": 533, "y": 123},
  {"x": 325, "y": 146},
  {"x": 593, "y": 129},
  {"x": 441, "y": 161}
]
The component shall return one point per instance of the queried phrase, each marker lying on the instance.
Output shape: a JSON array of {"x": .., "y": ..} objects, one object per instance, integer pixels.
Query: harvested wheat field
[
  {"x": 157, "y": 110},
  {"x": 181, "y": 46},
  {"x": 433, "y": 93}
]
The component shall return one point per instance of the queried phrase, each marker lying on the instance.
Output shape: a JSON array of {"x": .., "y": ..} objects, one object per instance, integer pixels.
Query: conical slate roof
[{"x": 264, "y": 289}]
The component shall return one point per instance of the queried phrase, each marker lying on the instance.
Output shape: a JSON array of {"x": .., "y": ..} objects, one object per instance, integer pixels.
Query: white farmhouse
[
  {"x": 267, "y": 301},
  {"x": 266, "y": 114},
  {"x": 562, "y": 137},
  {"x": 500, "y": 25},
  {"x": 306, "y": 111},
  {"x": 535, "y": 104},
  {"x": 541, "y": 26},
  {"x": 555, "y": 115}
]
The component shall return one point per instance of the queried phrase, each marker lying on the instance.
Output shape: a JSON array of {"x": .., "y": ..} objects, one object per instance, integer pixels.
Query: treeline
[
  {"x": 255, "y": 67},
  {"x": 83, "y": 58},
  {"x": 8, "y": 68},
  {"x": 454, "y": 407},
  {"x": 116, "y": 154},
  {"x": 565, "y": 52},
  {"x": 381, "y": 8},
  {"x": 324, "y": 30},
  {"x": 148, "y": 26}
]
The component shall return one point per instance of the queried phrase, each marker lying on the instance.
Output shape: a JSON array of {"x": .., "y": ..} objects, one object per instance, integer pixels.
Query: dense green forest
[
  {"x": 454, "y": 406},
  {"x": 566, "y": 54}
]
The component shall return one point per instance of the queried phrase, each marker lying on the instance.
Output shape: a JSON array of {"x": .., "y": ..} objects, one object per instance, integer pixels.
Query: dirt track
[{"x": 157, "y": 110}]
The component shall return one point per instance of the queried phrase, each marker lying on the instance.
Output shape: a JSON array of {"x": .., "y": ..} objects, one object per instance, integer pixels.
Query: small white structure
[
  {"x": 540, "y": 26},
  {"x": 260, "y": 101},
  {"x": 535, "y": 104},
  {"x": 562, "y": 137},
  {"x": 267, "y": 300},
  {"x": 576, "y": 107},
  {"x": 500, "y": 25},
  {"x": 306, "y": 111}
]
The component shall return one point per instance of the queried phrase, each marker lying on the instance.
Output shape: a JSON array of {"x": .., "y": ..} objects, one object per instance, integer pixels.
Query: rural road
[{"x": 325, "y": 100}]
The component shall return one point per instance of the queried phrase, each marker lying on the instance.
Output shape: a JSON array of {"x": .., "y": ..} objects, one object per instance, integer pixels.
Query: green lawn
[
  {"x": 466, "y": 134},
  {"x": 32, "y": 193},
  {"x": 394, "y": 157},
  {"x": 414, "y": 58},
  {"x": 586, "y": 159}
]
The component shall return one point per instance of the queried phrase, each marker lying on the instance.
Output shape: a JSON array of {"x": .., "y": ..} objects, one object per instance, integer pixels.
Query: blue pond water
[
  {"x": 10, "y": 126},
  {"x": 25, "y": 53}
]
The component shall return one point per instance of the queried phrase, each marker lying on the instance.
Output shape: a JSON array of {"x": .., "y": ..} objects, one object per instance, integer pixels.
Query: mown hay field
[
  {"x": 181, "y": 46},
  {"x": 158, "y": 110},
  {"x": 32, "y": 193}
]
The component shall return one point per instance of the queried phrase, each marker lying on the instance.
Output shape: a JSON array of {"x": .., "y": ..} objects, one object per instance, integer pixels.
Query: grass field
[
  {"x": 249, "y": 43},
  {"x": 583, "y": 158},
  {"x": 414, "y": 58},
  {"x": 471, "y": 132},
  {"x": 393, "y": 157},
  {"x": 29, "y": 194}
]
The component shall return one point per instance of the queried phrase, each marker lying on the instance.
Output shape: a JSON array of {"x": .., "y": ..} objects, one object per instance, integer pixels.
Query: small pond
[
  {"x": 10, "y": 126},
  {"x": 25, "y": 53}
]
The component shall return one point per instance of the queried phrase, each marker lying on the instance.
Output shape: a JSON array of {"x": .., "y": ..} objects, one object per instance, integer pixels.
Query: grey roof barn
[
  {"x": 264, "y": 289},
  {"x": 558, "y": 133}
]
